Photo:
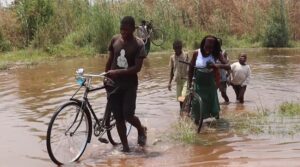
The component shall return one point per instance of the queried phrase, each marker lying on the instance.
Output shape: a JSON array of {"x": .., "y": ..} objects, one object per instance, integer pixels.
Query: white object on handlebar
[{"x": 80, "y": 72}]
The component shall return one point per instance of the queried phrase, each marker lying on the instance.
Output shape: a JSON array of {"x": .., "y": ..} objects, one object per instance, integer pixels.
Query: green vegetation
[
  {"x": 4, "y": 44},
  {"x": 22, "y": 58},
  {"x": 33, "y": 15},
  {"x": 282, "y": 123},
  {"x": 289, "y": 109},
  {"x": 185, "y": 132},
  {"x": 78, "y": 28},
  {"x": 277, "y": 33}
]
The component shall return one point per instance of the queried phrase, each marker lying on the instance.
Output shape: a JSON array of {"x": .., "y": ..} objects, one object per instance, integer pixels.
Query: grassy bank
[{"x": 21, "y": 58}]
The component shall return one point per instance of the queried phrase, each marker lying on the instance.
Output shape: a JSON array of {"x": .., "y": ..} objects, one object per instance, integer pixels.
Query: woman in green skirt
[{"x": 205, "y": 84}]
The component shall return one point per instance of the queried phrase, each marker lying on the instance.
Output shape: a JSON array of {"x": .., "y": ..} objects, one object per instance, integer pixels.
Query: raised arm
[
  {"x": 224, "y": 63},
  {"x": 129, "y": 71}
]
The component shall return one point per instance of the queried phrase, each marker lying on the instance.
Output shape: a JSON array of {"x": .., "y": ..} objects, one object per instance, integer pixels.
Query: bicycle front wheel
[
  {"x": 197, "y": 108},
  {"x": 157, "y": 37},
  {"x": 186, "y": 107},
  {"x": 68, "y": 133}
]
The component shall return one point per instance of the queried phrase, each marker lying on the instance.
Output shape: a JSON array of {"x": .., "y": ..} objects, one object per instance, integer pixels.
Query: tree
[{"x": 277, "y": 33}]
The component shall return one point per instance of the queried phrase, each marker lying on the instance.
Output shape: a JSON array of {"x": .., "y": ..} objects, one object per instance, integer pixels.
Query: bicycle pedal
[{"x": 103, "y": 140}]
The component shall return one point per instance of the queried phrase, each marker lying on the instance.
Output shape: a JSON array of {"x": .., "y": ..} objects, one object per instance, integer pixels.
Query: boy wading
[
  {"x": 240, "y": 72},
  {"x": 179, "y": 70},
  {"x": 126, "y": 54}
]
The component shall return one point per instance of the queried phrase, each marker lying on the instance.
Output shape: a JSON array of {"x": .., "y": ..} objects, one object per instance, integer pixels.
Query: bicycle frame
[{"x": 86, "y": 106}]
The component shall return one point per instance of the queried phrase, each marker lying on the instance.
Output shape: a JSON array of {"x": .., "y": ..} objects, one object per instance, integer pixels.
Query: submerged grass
[
  {"x": 247, "y": 122},
  {"x": 283, "y": 123},
  {"x": 185, "y": 131},
  {"x": 289, "y": 109}
]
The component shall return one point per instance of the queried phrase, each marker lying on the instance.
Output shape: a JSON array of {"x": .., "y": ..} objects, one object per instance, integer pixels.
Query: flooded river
[{"x": 29, "y": 97}]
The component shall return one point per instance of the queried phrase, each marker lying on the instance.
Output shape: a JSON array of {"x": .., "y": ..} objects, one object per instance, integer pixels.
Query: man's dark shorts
[{"x": 123, "y": 102}]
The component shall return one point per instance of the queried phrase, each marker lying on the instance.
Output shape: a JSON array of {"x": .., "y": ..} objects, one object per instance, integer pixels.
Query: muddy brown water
[{"x": 29, "y": 97}]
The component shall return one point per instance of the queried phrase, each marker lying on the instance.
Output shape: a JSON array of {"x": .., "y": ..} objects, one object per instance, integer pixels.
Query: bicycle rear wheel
[
  {"x": 68, "y": 133},
  {"x": 157, "y": 37},
  {"x": 112, "y": 132}
]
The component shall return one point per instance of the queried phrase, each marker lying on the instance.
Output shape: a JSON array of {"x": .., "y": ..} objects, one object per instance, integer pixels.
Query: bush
[{"x": 4, "y": 44}]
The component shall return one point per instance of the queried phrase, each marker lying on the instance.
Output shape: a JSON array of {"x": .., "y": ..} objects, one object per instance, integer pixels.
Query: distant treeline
[{"x": 58, "y": 26}]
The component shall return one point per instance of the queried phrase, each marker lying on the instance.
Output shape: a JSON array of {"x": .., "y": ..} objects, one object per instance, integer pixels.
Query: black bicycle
[
  {"x": 149, "y": 32},
  {"x": 71, "y": 126},
  {"x": 192, "y": 99}
]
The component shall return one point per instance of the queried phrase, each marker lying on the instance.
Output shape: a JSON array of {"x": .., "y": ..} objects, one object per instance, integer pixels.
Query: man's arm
[
  {"x": 129, "y": 71},
  {"x": 224, "y": 63},
  {"x": 171, "y": 77}
]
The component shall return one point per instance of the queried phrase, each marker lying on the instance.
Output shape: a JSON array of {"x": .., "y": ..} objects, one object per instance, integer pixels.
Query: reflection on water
[{"x": 29, "y": 96}]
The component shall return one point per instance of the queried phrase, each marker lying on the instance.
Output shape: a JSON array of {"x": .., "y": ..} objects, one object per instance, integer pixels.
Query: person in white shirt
[
  {"x": 240, "y": 77},
  {"x": 205, "y": 74},
  {"x": 144, "y": 34}
]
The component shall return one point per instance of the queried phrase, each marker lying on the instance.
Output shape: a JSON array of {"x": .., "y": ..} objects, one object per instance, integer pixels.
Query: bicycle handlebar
[
  {"x": 85, "y": 79},
  {"x": 80, "y": 72}
]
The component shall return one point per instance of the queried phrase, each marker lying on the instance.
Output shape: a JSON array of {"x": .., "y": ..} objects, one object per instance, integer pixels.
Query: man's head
[
  {"x": 127, "y": 27},
  {"x": 243, "y": 58},
  {"x": 177, "y": 46}
]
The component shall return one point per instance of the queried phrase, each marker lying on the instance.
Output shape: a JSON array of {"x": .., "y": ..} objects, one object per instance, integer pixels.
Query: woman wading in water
[{"x": 204, "y": 59}]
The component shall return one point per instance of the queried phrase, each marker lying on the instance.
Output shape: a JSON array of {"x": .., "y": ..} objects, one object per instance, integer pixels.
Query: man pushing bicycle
[{"x": 126, "y": 55}]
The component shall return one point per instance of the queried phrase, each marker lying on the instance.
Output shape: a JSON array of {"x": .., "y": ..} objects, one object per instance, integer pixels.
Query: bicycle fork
[{"x": 79, "y": 110}]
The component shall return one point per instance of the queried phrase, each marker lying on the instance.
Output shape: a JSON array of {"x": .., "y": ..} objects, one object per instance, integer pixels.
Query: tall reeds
[{"x": 56, "y": 24}]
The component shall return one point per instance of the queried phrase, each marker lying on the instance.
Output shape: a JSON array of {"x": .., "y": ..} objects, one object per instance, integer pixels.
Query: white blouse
[{"x": 201, "y": 61}]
